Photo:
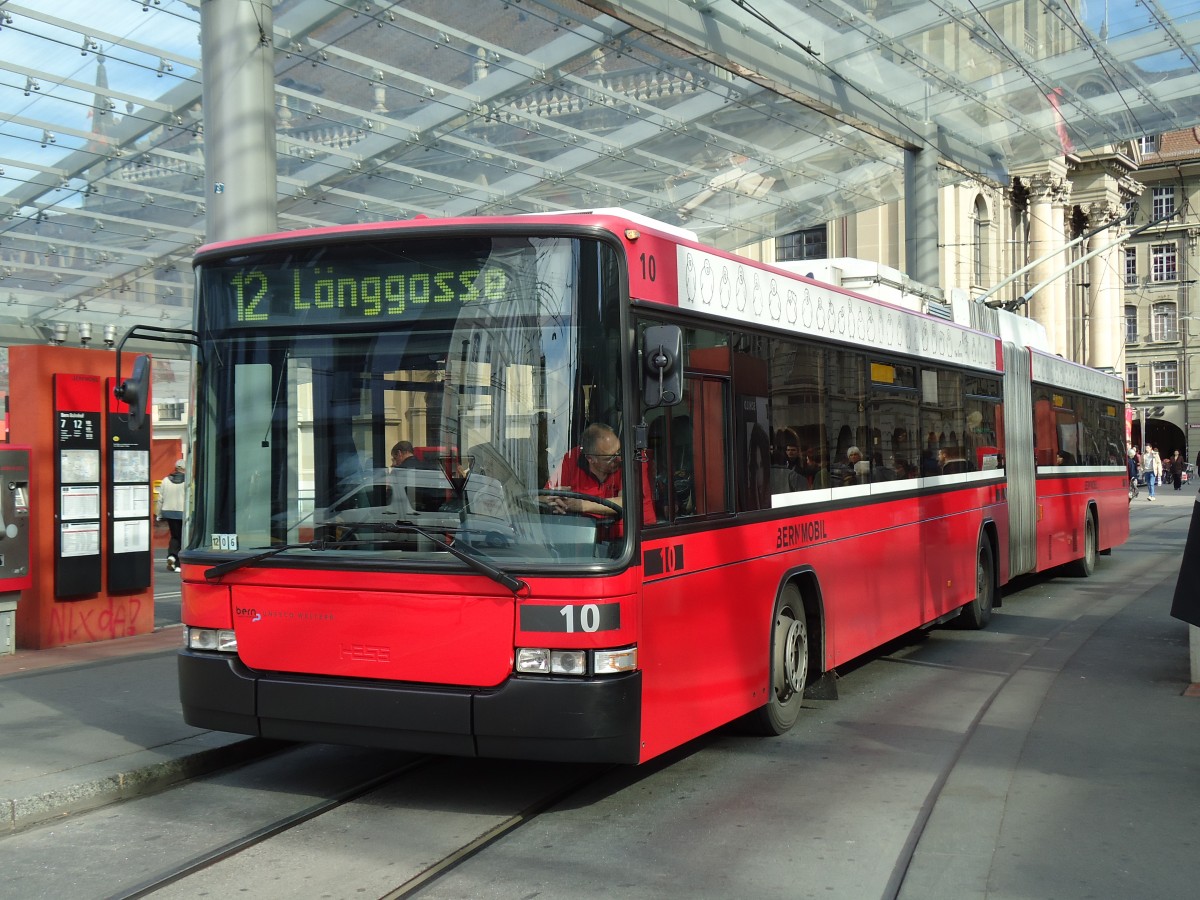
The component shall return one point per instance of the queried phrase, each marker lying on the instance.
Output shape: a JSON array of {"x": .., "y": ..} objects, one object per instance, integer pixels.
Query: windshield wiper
[
  {"x": 226, "y": 567},
  {"x": 516, "y": 585}
]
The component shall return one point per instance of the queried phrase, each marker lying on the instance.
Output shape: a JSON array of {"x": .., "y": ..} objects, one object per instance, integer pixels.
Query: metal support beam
[
  {"x": 239, "y": 117},
  {"x": 922, "y": 258}
]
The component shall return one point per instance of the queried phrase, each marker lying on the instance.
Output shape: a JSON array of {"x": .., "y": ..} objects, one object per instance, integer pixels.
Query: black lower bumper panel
[{"x": 576, "y": 720}]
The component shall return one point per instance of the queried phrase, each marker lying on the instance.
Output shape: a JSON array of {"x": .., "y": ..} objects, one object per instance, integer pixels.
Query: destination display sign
[{"x": 276, "y": 291}]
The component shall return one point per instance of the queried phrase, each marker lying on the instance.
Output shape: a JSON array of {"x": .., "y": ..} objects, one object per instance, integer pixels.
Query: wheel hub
[{"x": 794, "y": 658}]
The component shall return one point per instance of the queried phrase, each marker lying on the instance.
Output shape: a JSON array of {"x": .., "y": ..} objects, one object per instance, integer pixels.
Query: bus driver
[{"x": 594, "y": 468}]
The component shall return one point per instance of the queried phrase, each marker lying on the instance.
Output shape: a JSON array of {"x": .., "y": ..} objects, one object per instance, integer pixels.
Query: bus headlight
[
  {"x": 544, "y": 661},
  {"x": 610, "y": 662},
  {"x": 218, "y": 640}
]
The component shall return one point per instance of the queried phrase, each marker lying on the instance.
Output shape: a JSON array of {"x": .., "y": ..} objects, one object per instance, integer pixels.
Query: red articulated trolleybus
[{"x": 654, "y": 487}]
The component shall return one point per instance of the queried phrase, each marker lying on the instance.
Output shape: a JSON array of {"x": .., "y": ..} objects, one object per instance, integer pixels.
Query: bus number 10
[{"x": 589, "y": 617}]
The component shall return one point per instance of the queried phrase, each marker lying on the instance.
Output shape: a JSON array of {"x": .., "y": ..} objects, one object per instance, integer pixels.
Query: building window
[
  {"x": 170, "y": 412},
  {"x": 981, "y": 231},
  {"x": 1131, "y": 332},
  {"x": 1164, "y": 202},
  {"x": 1131, "y": 266},
  {"x": 807, "y": 244},
  {"x": 1166, "y": 377},
  {"x": 1163, "y": 263},
  {"x": 1131, "y": 385},
  {"x": 1165, "y": 324},
  {"x": 1131, "y": 208},
  {"x": 1149, "y": 143}
]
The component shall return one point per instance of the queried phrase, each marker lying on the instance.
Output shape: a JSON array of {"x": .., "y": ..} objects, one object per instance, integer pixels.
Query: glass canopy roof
[{"x": 739, "y": 119}]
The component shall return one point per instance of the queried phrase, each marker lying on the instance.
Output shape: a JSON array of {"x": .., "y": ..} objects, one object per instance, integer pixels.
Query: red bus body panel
[
  {"x": 704, "y": 647},
  {"x": 454, "y": 630},
  {"x": 1062, "y": 505}
]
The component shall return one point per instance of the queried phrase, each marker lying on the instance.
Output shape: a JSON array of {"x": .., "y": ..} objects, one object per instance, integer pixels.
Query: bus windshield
[{"x": 377, "y": 399}]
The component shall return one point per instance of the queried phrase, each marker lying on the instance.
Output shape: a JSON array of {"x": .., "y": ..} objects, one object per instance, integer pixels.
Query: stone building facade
[{"x": 1107, "y": 243}]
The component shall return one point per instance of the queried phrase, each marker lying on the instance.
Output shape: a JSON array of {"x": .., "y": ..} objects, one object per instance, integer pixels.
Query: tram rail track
[
  {"x": 500, "y": 831},
  {"x": 266, "y": 832},
  {"x": 1049, "y": 659},
  {"x": 415, "y": 770}
]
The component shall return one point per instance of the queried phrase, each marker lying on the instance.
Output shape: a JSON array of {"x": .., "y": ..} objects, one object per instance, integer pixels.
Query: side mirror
[
  {"x": 662, "y": 360},
  {"x": 135, "y": 391}
]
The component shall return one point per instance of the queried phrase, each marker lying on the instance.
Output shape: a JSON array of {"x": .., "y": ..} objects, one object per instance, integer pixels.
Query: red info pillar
[{"x": 68, "y": 603}]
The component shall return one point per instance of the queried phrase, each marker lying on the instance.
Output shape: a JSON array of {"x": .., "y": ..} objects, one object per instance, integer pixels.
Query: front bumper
[{"x": 564, "y": 719}]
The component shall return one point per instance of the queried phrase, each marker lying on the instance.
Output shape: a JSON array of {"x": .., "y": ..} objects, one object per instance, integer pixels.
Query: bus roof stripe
[
  {"x": 1069, "y": 376},
  {"x": 742, "y": 292}
]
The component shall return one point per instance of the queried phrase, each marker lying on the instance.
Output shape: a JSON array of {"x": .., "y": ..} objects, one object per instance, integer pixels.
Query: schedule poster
[
  {"x": 78, "y": 403},
  {"x": 130, "y": 554}
]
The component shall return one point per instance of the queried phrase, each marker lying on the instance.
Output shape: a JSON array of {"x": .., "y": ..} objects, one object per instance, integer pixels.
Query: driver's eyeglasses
[{"x": 606, "y": 457}]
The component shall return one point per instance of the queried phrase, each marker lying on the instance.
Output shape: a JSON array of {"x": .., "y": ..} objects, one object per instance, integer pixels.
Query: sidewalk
[
  {"x": 1082, "y": 780},
  {"x": 87, "y": 725}
]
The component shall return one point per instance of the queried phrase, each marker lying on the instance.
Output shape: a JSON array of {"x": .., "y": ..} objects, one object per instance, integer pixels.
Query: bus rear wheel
[
  {"x": 1086, "y": 565},
  {"x": 978, "y": 612},
  {"x": 789, "y": 666}
]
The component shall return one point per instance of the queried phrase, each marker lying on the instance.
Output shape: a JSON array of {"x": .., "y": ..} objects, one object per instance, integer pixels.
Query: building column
[
  {"x": 238, "y": 74},
  {"x": 1106, "y": 344},
  {"x": 1059, "y": 290},
  {"x": 1047, "y": 195}
]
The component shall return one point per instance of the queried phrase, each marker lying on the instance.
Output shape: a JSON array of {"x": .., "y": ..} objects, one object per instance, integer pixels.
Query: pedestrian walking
[
  {"x": 1177, "y": 467},
  {"x": 1152, "y": 466},
  {"x": 170, "y": 510}
]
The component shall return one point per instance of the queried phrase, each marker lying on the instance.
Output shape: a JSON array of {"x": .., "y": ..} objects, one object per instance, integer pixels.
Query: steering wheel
[{"x": 614, "y": 510}]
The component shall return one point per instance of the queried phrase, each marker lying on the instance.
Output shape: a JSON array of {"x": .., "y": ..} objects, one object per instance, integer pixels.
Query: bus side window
[
  {"x": 682, "y": 465},
  {"x": 672, "y": 457},
  {"x": 658, "y": 459},
  {"x": 688, "y": 451},
  {"x": 701, "y": 447}
]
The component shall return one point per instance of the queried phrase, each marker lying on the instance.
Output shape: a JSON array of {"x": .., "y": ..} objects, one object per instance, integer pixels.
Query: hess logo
[
  {"x": 247, "y": 612},
  {"x": 366, "y": 652}
]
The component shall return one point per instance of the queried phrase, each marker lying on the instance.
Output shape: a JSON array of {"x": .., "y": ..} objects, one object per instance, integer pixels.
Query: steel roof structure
[{"x": 739, "y": 119}]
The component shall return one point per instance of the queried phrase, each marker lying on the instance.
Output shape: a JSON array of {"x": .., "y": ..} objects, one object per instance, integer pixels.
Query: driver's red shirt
[{"x": 575, "y": 475}]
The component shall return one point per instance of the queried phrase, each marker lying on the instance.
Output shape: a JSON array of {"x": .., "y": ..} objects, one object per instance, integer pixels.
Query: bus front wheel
[{"x": 789, "y": 666}]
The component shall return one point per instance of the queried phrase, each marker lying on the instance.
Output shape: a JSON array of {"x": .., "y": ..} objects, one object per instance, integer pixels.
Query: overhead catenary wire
[{"x": 1028, "y": 295}]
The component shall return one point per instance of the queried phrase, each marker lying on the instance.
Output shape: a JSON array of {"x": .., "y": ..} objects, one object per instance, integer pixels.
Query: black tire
[
  {"x": 789, "y": 667},
  {"x": 1086, "y": 565},
  {"x": 976, "y": 614}
]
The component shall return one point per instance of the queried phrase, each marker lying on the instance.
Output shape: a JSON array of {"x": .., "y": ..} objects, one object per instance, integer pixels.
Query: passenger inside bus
[
  {"x": 880, "y": 471},
  {"x": 403, "y": 458},
  {"x": 594, "y": 469},
  {"x": 951, "y": 461},
  {"x": 854, "y": 470},
  {"x": 425, "y": 492},
  {"x": 788, "y": 474},
  {"x": 816, "y": 468}
]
